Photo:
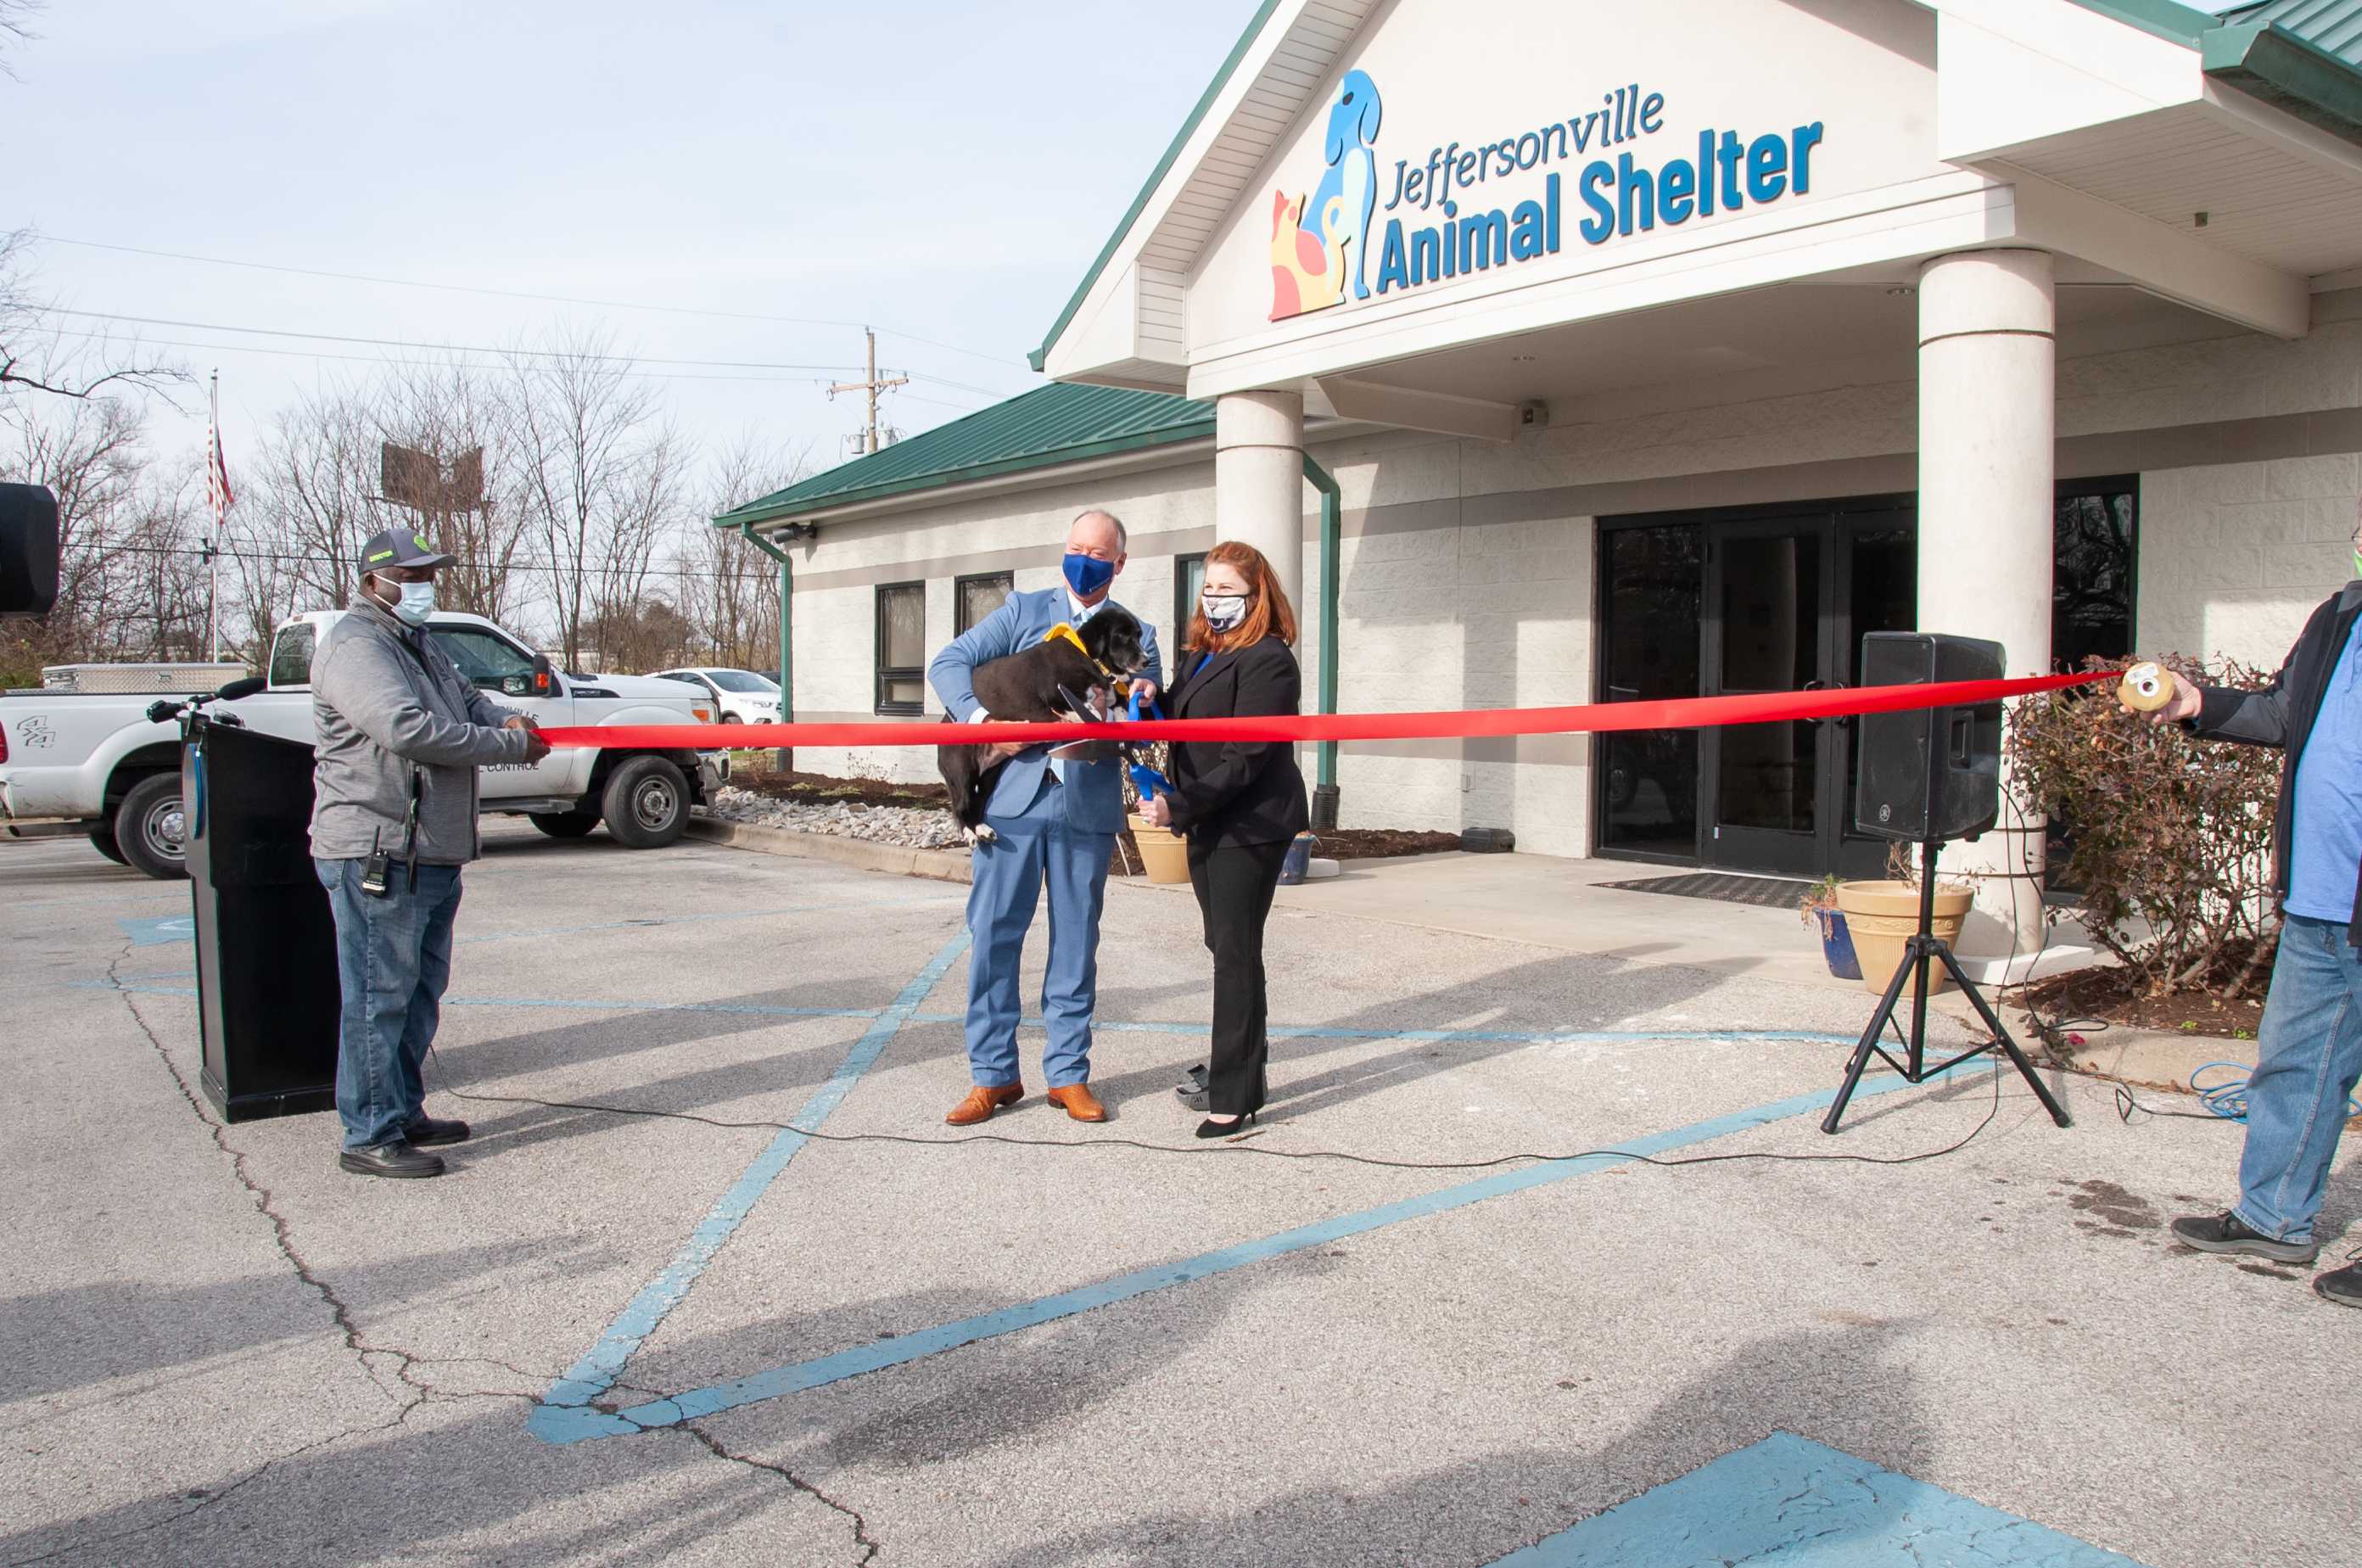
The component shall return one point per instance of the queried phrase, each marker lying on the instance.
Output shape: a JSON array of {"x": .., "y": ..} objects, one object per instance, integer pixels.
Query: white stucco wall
[{"x": 1445, "y": 607}]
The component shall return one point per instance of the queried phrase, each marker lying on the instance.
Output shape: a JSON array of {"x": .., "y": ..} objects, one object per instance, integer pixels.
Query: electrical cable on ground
[{"x": 1241, "y": 1144}]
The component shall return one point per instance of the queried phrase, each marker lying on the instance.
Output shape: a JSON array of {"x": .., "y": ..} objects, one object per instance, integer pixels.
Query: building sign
[{"x": 1472, "y": 208}]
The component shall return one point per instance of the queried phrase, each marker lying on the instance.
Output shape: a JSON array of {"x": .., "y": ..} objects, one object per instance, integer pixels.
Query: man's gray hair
[{"x": 1122, "y": 535}]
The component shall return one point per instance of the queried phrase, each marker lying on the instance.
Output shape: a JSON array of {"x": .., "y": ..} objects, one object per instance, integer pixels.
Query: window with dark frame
[
  {"x": 974, "y": 598},
  {"x": 1188, "y": 581},
  {"x": 901, "y": 648}
]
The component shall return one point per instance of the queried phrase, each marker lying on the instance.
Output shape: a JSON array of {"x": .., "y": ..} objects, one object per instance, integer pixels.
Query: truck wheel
[
  {"x": 564, "y": 824},
  {"x": 646, "y": 804},
  {"x": 103, "y": 840},
  {"x": 152, "y": 829}
]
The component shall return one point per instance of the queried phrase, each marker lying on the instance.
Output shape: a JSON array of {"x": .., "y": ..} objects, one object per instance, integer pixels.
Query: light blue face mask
[{"x": 416, "y": 604}]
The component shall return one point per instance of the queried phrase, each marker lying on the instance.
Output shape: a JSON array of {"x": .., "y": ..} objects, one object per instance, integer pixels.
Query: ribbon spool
[{"x": 2147, "y": 688}]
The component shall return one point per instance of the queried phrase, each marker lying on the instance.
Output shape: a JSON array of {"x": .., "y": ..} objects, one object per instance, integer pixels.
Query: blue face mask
[{"x": 1088, "y": 575}]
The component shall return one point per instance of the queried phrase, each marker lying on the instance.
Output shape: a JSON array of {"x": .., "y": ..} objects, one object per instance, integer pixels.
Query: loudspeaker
[
  {"x": 1929, "y": 773},
  {"x": 268, "y": 991},
  {"x": 29, "y": 549}
]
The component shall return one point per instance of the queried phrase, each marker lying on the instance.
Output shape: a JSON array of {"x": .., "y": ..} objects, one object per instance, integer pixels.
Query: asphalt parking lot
[{"x": 618, "y": 1338}]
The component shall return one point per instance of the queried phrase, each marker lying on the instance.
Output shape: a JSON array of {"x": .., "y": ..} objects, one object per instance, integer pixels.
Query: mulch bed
[
  {"x": 2113, "y": 994},
  {"x": 1376, "y": 843}
]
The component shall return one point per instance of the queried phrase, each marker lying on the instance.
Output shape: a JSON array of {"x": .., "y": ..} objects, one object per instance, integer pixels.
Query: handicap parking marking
[
  {"x": 565, "y": 1412},
  {"x": 578, "y": 1423},
  {"x": 148, "y": 932},
  {"x": 1789, "y": 1499}
]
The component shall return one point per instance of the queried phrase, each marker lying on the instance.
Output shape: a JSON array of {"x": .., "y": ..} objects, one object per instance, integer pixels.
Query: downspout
[
  {"x": 786, "y": 632},
  {"x": 1332, "y": 507}
]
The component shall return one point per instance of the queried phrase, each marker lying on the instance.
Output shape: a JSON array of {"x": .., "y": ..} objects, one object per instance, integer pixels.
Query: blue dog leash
[{"x": 1144, "y": 779}]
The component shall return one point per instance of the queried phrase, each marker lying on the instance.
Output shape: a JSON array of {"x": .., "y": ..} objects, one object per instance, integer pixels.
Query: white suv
[{"x": 741, "y": 696}]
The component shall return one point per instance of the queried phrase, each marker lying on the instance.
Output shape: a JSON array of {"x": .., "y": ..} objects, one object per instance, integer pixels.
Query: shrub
[{"x": 2170, "y": 836}]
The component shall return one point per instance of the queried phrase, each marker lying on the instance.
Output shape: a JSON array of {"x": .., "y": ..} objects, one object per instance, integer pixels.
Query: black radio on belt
[{"x": 377, "y": 871}]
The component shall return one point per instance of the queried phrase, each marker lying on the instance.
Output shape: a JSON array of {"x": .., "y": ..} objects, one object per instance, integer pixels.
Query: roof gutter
[{"x": 2274, "y": 66}]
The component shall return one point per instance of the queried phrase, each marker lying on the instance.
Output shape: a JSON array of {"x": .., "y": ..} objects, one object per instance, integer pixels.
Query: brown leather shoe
[
  {"x": 1078, "y": 1101},
  {"x": 981, "y": 1102}
]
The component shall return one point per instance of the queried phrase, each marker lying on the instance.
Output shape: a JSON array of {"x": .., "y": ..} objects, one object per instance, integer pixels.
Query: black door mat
[{"x": 1764, "y": 892}]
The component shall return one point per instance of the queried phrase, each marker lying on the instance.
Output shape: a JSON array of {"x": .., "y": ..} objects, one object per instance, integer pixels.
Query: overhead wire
[{"x": 520, "y": 293}]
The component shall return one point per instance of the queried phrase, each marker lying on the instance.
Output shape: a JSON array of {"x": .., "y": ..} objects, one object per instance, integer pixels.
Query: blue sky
[{"x": 941, "y": 169}]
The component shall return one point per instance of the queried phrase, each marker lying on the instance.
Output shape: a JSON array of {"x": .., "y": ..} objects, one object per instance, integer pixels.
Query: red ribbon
[{"x": 1673, "y": 713}]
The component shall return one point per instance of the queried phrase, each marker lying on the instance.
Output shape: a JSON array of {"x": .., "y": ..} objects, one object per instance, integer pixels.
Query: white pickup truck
[{"x": 95, "y": 763}]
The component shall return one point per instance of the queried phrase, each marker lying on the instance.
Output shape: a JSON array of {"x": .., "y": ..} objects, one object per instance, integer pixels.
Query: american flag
[{"x": 217, "y": 494}]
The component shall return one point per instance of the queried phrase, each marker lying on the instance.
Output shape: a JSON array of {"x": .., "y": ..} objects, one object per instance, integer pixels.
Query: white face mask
[
  {"x": 1223, "y": 611},
  {"x": 416, "y": 604}
]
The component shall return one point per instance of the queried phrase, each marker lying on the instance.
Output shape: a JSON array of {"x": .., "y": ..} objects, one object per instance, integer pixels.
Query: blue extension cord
[{"x": 2228, "y": 1098}]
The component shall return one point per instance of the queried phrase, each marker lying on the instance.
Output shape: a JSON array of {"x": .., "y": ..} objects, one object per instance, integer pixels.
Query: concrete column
[
  {"x": 1259, "y": 482},
  {"x": 1987, "y": 381}
]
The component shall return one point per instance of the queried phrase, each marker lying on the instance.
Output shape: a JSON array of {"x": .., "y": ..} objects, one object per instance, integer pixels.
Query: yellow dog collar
[{"x": 1064, "y": 631}]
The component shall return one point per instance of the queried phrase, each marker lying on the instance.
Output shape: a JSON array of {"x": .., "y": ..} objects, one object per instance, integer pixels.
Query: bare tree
[
  {"x": 88, "y": 453},
  {"x": 33, "y": 353},
  {"x": 464, "y": 418},
  {"x": 730, "y": 587},
  {"x": 15, "y": 27},
  {"x": 599, "y": 475}
]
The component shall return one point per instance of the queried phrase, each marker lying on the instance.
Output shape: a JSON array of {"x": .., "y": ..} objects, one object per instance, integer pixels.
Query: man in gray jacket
[{"x": 400, "y": 736}]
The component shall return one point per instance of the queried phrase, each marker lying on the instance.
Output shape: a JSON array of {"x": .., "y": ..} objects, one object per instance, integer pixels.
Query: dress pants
[
  {"x": 1234, "y": 885},
  {"x": 1038, "y": 846}
]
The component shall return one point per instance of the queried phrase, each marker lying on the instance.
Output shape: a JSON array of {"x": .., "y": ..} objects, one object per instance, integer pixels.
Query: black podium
[{"x": 267, "y": 994}]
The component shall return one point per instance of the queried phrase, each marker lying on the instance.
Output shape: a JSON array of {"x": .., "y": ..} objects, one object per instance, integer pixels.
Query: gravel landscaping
[{"x": 914, "y": 827}]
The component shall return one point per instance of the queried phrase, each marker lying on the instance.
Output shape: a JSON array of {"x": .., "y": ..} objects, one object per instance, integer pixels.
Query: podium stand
[{"x": 268, "y": 992}]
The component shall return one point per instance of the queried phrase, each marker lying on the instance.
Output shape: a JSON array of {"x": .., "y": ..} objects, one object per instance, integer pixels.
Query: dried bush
[{"x": 2170, "y": 835}]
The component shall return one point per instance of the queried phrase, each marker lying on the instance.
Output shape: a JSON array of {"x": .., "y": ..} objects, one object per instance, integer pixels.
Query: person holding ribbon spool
[
  {"x": 2308, "y": 1048},
  {"x": 1240, "y": 804}
]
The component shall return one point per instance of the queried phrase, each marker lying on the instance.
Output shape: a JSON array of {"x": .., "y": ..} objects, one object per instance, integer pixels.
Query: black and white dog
[{"x": 1037, "y": 684}]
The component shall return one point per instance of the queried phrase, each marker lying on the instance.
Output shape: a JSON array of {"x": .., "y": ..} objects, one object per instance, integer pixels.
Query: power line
[
  {"x": 591, "y": 568},
  {"x": 446, "y": 347},
  {"x": 519, "y": 295},
  {"x": 626, "y": 361},
  {"x": 425, "y": 364}
]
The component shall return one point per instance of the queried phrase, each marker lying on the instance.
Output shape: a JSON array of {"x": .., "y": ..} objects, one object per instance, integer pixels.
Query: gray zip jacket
[{"x": 386, "y": 702}]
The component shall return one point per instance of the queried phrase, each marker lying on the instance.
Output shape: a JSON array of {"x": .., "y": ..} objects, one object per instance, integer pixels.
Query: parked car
[
  {"x": 95, "y": 763},
  {"x": 741, "y": 696}
]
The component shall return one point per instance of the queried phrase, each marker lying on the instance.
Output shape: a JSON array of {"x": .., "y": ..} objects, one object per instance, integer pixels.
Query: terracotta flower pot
[
  {"x": 1882, "y": 915},
  {"x": 1165, "y": 852}
]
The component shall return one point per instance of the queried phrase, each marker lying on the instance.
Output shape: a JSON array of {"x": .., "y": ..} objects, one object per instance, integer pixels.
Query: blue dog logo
[{"x": 1315, "y": 245}]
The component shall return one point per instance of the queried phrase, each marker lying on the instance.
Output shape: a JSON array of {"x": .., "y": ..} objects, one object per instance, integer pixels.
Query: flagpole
[{"x": 213, "y": 545}]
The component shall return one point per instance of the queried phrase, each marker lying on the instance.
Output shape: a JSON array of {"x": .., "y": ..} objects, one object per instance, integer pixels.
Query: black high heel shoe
[{"x": 1210, "y": 1128}]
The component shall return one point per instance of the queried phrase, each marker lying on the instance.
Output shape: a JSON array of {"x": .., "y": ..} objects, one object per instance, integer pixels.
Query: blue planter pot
[{"x": 1837, "y": 944}]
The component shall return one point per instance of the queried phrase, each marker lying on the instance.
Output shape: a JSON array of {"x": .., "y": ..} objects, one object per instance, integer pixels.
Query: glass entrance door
[
  {"x": 1730, "y": 603},
  {"x": 1768, "y": 628}
]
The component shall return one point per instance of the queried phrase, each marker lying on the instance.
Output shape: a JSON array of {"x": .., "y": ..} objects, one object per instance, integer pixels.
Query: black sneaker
[
  {"x": 2343, "y": 1286},
  {"x": 2225, "y": 1232},
  {"x": 1194, "y": 1084},
  {"x": 426, "y": 1131},
  {"x": 392, "y": 1159}
]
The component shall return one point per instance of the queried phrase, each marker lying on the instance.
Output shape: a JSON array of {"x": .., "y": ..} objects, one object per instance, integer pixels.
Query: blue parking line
[
  {"x": 1792, "y": 1500},
  {"x": 566, "y": 1405},
  {"x": 575, "y": 1004},
  {"x": 578, "y": 1425}
]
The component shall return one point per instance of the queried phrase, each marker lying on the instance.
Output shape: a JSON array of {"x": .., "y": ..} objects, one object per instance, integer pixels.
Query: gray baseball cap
[{"x": 400, "y": 547}]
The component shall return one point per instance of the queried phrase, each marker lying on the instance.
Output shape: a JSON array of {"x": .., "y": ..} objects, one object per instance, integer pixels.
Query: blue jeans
[
  {"x": 1037, "y": 848},
  {"x": 394, "y": 958},
  {"x": 2308, "y": 1055}
]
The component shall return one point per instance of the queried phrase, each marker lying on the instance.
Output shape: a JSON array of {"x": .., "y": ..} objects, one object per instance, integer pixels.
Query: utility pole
[{"x": 872, "y": 386}]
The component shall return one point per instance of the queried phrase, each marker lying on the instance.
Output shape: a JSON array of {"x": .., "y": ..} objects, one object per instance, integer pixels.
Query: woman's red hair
[{"x": 1268, "y": 612}]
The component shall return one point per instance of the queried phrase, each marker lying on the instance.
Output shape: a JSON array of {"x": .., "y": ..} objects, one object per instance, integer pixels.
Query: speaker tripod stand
[{"x": 1921, "y": 952}]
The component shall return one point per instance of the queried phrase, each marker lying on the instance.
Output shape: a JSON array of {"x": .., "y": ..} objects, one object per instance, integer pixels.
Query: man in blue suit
[{"x": 1055, "y": 822}]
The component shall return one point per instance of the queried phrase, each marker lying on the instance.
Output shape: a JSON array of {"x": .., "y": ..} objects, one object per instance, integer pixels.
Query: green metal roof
[
  {"x": 1061, "y": 423},
  {"x": 2333, "y": 26}
]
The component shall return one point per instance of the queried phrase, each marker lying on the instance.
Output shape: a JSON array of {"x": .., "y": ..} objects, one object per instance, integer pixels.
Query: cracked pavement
[{"x": 220, "y": 1349}]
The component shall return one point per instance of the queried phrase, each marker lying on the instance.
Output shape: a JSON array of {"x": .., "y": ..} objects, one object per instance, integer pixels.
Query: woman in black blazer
[{"x": 1239, "y": 804}]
